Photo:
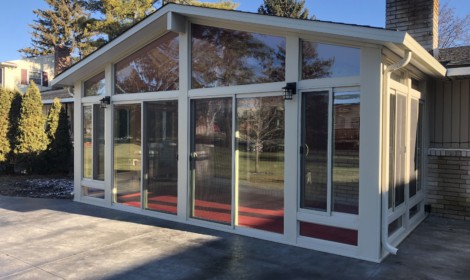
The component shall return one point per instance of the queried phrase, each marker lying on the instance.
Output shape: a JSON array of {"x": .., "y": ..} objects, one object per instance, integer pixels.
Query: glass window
[
  {"x": 93, "y": 142},
  {"x": 329, "y": 61},
  {"x": 260, "y": 150},
  {"x": 162, "y": 151},
  {"x": 87, "y": 141},
  {"x": 314, "y": 191},
  {"x": 211, "y": 160},
  {"x": 346, "y": 112},
  {"x": 127, "y": 154},
  {"x": 153, "y": 68},
  {"x": 95, "y": 85},
  {"x": 36, "y": 77},
  {"x": 93, "y": 192},
  {"x": 1, "y": 76},
  {"x": 223, "y": 57}
]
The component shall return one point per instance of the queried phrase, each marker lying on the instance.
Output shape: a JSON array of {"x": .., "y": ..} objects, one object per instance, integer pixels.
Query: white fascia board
[
  {"x": 459, "y": 71},
  {"x": 422, "y": 59}
]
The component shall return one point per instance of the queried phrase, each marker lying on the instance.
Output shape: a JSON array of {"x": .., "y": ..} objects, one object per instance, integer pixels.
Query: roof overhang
[
  {"x": 8, "y": 64},
  {"x": 174, "y": 17},
  {"x": 458, "y": 72}
]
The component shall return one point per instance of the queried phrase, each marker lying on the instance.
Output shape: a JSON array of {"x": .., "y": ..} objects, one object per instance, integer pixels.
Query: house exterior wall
[
  {"x": 19, "y": 75},
  {"x": 449, "y": 153}
]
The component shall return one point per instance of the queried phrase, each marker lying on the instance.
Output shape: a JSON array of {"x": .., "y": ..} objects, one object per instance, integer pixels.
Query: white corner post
[
  {"x": 291, "y": 155},
  {"x": 108, "y": 136},
  {"x": 370, "y": 155},
  {"x": 77, "y": 142}
]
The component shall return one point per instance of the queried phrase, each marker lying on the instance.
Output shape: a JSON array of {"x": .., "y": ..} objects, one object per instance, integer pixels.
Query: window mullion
[{"x": 330, "y": 153}]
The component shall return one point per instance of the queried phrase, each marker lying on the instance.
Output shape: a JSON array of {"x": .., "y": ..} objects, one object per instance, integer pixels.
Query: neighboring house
[
  {"x": 308, "y": 133},
  {"x": 17, "y": 74}
]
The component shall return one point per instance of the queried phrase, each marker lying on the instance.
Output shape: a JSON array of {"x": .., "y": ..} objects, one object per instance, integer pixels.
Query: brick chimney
[
  {"x": 417, "y": 17},
  {"x": 62, "y": 59}
]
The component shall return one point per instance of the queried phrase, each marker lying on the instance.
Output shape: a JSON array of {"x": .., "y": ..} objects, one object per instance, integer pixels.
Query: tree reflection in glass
[
  {"x": 329, "y": 61},
  {"x": 260, "y": 151},
  {"x": 153, "y": 68},
  {"x": 223, "y": 57}
]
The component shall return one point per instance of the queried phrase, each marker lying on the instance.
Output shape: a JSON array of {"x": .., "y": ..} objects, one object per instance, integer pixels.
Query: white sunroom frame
[{"x": 176, "y": 18}]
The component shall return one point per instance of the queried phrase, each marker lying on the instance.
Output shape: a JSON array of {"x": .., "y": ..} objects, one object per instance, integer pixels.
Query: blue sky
[{"x": 16, "y": 15}]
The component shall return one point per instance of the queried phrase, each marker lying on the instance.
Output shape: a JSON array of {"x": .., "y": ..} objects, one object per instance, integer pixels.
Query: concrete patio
[{"x": 61, "y": 239}]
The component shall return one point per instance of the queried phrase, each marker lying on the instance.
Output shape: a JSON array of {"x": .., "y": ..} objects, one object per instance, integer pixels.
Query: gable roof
[{"x": 173, "y": 17}]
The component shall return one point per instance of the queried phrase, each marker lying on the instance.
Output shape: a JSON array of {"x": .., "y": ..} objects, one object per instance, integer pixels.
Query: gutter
[{"x": 384, "y": 232}]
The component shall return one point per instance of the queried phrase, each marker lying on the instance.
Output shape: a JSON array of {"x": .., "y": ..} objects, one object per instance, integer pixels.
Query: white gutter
[
  {"x": 460, "y": 71},
  {"x": 388, "y": 70}
]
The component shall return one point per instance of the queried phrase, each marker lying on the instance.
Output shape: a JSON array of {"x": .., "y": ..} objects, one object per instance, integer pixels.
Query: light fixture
[
  {"x": 105, "y": 101},
  {"x": 289, "y": 90}
]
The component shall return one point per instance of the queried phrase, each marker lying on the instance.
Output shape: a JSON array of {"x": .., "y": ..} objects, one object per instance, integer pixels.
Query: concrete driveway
[{"x": 61, "y": 239}]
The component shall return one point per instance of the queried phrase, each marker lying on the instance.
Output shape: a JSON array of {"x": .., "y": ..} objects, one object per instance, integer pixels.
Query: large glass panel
[
  {"x": 346, "y": 152},
  {"x": 400, "y": 162},
  {"x": 127, "y": 154},
  {"x": 329, "y": 61},
  {"x": 211, "y": 160},
  {"x": 260, "y": 149},
  {"x": 95, "y": 85},
  {"x": 87, "y": 142},
  {"x": 314, "y": 189},
  {"x": 98, "y": 142},
  {"x": 414, "y": 160},
  {"x": 223, "y": 57},
  {"x": 153, "y": 68},
  {"x": 391, "y": 150},
  {"x": 162, "y": 151}
]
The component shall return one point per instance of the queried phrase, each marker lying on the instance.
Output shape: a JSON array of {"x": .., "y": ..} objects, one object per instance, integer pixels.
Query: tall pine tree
[
  {"x": 5, "y": 105},
  {"x": 52, "y": 120},
  {"x": 221, "y": 4},
  {"x": 285, "y": 8},
  {"x": 31, "y": 138},
  {"x": 60, "y": 148},
  {"x": 65, "y": 25}
]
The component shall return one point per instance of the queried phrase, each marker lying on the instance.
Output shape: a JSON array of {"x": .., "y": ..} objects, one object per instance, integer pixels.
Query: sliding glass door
[{"x": 211, "y": 160}]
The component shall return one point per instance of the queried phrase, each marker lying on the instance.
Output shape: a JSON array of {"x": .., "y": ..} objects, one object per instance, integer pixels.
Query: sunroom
[{"x": 300, "y": 132}]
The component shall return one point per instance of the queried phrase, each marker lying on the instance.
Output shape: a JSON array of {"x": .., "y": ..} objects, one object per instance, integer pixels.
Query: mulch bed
[{"x": 58, "y": 187}]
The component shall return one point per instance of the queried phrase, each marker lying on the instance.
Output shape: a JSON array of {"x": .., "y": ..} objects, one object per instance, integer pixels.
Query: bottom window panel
[
  {"x": 335, "y": 234},
  {"x": 92, "y": 192},
  {"x": 395, "y": 226}
]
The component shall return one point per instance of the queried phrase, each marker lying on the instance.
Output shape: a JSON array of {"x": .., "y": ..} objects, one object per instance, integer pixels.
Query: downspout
[{"x": 388, "y": 70}]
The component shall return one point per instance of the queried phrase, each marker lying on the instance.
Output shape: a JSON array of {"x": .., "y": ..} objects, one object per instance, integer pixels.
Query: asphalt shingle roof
[{"x": 455, "y": 57}]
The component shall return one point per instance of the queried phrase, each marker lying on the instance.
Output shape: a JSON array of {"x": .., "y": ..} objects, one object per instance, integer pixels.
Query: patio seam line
[
  {"x": 39, "y": 266},
  {"x": 30, "y": 267}
]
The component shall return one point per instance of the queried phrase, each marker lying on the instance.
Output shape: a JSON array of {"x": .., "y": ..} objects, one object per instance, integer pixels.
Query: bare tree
[{"x": 453, "y": 30}]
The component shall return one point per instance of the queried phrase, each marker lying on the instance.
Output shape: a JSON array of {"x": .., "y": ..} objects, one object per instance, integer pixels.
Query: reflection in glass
[
  {"x": 127, "y": 154},
  {"x": 414, "y": 160},
  {"x": 98, "y": 142},
  {"x": 346, "y": 152},
  {"x": 211, "y": 160},
  {"x": 153, "y": 68},
  {"x": 223, "y": 57},
  {"x": 162, "y": 149},
  {"x": 95, "y": 85},
  {"x": 314, "y": 191},
  {"x": 335, "y": 234},
  {"x": 260, "y": 123},
  {"x": 419, "y": 147},
  {"x": 93, "y": 192},
  {"x": 400, "y": 158},
  {"x": 329, "y": 61},
  {"x": 87, "y": 142},
  {"x": 391, "y": 150}
]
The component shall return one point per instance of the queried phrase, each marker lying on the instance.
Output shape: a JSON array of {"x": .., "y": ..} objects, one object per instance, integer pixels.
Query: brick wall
[
  {"x": 418, "y": 17},
  {"x": 449, "y": 182}
]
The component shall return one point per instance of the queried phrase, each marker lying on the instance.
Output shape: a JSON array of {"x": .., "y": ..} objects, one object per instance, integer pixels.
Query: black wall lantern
[
  {"x": 289, "y": 90},
  {"x": 105, "y": 101}
]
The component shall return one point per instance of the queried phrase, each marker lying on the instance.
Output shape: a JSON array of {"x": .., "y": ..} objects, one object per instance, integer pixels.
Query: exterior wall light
[
  {"x": 105, "y": 101},
  {"x": 289, "y": 90}
]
